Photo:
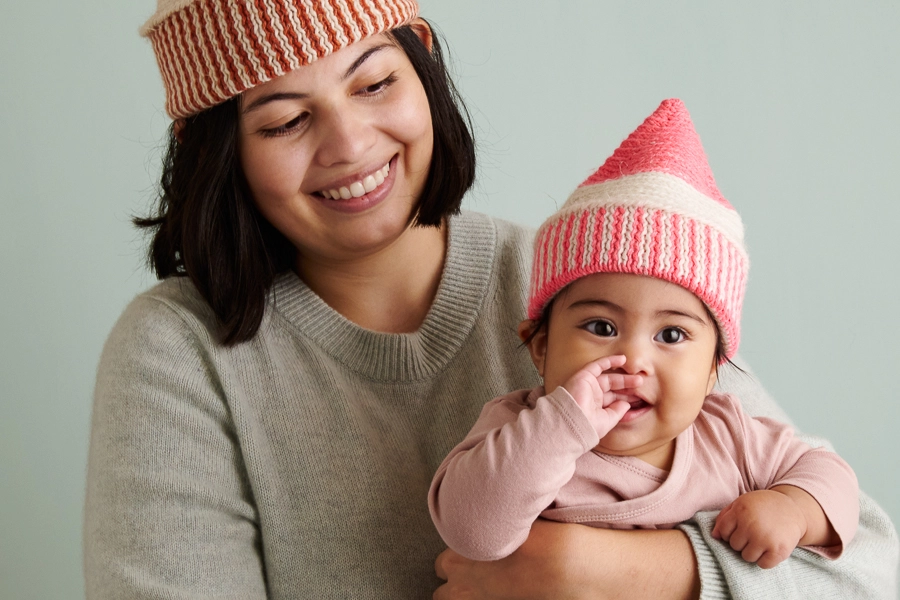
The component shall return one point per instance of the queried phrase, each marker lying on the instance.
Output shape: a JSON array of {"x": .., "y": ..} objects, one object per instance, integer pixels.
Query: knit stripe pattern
[
  {"x": 653, "y": 209},
  {"x": 211, "y": 50}
]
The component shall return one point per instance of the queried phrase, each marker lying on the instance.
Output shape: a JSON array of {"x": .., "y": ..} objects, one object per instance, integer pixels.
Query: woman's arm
[
  {"x": 562, "y": 560},
  {"x": 168, "y": 512}
]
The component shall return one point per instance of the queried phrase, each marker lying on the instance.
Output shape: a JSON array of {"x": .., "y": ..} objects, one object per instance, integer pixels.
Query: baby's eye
[
  {"x": 601, "y": 328},
  {"x": 670, "y": 335}
]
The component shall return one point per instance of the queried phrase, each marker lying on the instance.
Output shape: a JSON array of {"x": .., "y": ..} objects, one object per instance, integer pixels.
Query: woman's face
[{"x": 356, "y": 125}]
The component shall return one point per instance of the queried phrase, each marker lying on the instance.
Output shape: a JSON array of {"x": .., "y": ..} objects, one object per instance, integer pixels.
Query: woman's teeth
[{"x": 359, "y": 188}]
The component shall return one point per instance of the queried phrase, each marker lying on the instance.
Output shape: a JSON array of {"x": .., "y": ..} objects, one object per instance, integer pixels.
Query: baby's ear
[
  {"x": 534, "y": 336},
  {"x": 713, "y": 377}
]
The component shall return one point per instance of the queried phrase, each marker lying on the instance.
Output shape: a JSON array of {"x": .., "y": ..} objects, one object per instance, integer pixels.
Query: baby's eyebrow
[
  {"x": 680, "y": 313},
  {"x": 669, "y": 312},
  {"x": 596, "y": 302}
]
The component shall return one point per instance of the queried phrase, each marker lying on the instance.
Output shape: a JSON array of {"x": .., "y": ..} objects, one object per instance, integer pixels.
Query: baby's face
[{"x": 666, "y": 336}]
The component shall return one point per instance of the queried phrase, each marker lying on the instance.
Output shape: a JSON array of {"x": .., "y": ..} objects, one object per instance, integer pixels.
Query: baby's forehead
[{"x": 627, "y": 291}]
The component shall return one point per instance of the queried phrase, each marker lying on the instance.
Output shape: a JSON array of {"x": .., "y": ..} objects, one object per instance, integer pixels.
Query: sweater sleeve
[
  {"x": 867, "y": 568},
  {"x": 489, "y": 490},
  {"x": 168, "y": 511}
]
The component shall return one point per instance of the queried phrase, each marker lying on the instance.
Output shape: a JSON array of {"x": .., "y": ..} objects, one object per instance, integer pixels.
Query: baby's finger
[
  {"x": 770, "y": 559},
  {"x": 621, "y": 381},
  {"x": 597, "y": 367},
  {"x": 618, "y": 409},
  {"x": 752, "y": 552},
  {"x": 738, "y": 540},
  {"x": 725, "y": 525}
]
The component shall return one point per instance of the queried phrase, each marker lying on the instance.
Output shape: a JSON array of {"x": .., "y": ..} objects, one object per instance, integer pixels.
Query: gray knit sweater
[{"x": 297, "y": 465}]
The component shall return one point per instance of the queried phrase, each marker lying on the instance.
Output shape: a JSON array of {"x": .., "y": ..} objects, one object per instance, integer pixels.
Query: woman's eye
[
  {"x": 601, "y": 328},
  {"x": 288, "y": 127},
  {"x": 670, "y": 335},
  {"x": 379, "y": 87}
]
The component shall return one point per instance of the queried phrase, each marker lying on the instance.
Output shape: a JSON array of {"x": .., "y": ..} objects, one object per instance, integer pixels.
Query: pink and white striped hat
[
  {"x": 652, "y": 209},
  {"x": 212, "y": 50}
]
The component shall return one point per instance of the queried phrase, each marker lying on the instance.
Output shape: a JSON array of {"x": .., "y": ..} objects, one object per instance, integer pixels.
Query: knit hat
[
  {"x": 212, "y": 50},
  {"x": 652, "y": 209}
]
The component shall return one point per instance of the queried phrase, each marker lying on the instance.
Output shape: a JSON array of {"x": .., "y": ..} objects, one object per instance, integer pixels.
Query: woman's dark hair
[
  {"x": 452, "y": 170},
  {"x": 208, "y": 229}
]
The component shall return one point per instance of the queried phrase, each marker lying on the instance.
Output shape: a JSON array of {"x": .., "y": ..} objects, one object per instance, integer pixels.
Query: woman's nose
[{"x": 345, "y": 136}]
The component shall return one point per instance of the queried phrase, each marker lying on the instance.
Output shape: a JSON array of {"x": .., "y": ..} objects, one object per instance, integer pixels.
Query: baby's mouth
[
  {"x": 638, "y": 404},
  {"x": 360, "y": 188}
]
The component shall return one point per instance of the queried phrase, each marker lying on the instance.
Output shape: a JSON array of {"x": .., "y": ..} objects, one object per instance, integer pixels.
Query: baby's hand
[
  {"x": 764, "y": 526},
  {"x": 594, "y": 391}
]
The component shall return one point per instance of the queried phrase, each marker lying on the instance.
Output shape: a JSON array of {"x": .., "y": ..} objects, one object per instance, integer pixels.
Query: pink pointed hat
[{"x": 652, "y": 209}]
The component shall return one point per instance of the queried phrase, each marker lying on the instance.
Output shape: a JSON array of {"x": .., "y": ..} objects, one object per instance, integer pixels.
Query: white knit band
[{"x": 661, "y": 191}]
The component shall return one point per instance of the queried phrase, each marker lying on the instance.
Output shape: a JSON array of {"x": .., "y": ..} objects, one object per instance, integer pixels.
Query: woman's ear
[
  {"x": 178, "y": 130},
  {"x": 536, "y": 340},
  {"x": 422, "y": 29}
]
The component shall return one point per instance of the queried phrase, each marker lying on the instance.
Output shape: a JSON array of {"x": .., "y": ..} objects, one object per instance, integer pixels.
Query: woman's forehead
[{"x": 331, "y": 69}]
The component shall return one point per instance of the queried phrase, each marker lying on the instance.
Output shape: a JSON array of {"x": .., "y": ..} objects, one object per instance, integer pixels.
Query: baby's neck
[{"x": 661, "y": 457}]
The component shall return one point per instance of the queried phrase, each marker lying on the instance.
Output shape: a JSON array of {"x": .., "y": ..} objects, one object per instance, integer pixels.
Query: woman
[{"x": 268, "y": 418}]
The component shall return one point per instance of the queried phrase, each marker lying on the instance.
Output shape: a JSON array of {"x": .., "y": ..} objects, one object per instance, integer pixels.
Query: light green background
[{"x": 798, "y": 105}]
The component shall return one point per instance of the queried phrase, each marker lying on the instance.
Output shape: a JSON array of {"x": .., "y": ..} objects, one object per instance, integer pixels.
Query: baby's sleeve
[
  {"x": 491, "y": 488},
  {"x": 772, "y": 455}
]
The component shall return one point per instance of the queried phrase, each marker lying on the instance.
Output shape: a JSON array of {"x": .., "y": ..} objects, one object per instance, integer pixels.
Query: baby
[{"x": 635, "y": 301}]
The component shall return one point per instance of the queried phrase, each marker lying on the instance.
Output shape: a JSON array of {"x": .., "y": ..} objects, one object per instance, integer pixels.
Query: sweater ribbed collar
[{"x": 465, "y": 283}]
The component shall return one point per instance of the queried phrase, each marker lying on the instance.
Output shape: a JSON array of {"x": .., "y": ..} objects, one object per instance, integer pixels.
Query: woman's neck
[{"x": 390, "y": 290}]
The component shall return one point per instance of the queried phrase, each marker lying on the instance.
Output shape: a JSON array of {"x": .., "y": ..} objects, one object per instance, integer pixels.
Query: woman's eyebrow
[
  {"x": 263, "y": 100},
  {"x": 363, "y": 58}
]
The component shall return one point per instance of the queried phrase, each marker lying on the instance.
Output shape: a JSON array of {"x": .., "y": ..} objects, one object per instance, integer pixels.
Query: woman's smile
[
  {"x": 360, "y": 187},
  {"x": 356, "y": 195}
]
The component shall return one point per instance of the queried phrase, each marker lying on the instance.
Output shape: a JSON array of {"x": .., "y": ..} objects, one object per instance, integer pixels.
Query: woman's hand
[
  {"x": 568, "y": 562},
  {"x": 545, "y": 566}
]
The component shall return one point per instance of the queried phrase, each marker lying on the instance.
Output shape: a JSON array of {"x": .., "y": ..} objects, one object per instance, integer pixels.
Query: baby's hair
[
  {"x": 719, "y": 356},
  {"x": 542, "y": 322}
]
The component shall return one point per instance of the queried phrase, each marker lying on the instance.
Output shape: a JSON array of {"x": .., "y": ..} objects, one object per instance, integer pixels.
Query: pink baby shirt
[{"x": 531, "y": 455}]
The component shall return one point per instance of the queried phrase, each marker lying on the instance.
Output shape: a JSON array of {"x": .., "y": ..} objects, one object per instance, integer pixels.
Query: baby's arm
[
  {"x": 489, "y": 490},
  {"x": 766, "y": 525},
  {"x": 804, "y": 496}
]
